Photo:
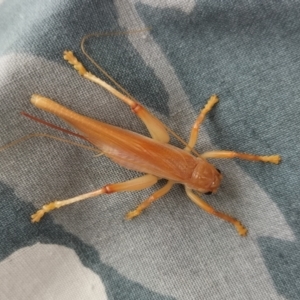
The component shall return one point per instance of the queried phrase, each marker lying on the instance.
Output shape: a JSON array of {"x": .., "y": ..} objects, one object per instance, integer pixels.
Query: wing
[
  {"x": 127, "y": 148},
  {"x": 137, "y": 152}
]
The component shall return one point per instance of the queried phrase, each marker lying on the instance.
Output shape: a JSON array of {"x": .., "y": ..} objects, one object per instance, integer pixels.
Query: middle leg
[
  {"x": 155, "y": 196},
  {"x": 155, "y": 127}
]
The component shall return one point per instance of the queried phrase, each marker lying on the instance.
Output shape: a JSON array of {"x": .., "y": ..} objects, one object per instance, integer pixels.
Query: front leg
[
  {"x": 195, "y": 129},
  {"x": 205, "y": 206},
  {"x": 155, "y": 196}
]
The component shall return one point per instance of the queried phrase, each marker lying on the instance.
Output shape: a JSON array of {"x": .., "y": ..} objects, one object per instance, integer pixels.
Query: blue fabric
[{"x": 244, "y": 51}]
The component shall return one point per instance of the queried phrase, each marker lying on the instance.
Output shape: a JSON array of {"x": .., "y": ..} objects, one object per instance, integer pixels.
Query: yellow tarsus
[
  {"x": 274, "y": 159},
  {"x": 242, "y": 231},
  {"x": 72, "y": 60},
  {"x": 36, "y": 217},
  {"x": 132, "y": 214}
]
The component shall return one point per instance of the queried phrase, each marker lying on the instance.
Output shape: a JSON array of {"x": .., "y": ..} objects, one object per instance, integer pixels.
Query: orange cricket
[{"x": 153, "y": 156}]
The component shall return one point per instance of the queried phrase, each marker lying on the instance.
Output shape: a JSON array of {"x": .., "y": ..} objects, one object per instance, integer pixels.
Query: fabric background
[{"x": 245, "y": 51}]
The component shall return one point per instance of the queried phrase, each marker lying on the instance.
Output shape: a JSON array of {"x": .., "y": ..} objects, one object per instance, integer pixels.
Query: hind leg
[
  {"x": 136, "y": 184},
  {"x": 155, "y": 127}
]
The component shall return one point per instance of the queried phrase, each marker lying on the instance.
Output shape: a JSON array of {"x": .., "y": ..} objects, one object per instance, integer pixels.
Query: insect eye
[
  {"x": 208, "y": 193},
  {"x": 219, "y": 171}
]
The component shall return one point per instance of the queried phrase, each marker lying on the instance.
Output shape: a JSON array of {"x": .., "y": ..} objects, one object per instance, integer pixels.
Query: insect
[{"x": 153, "y": 156}]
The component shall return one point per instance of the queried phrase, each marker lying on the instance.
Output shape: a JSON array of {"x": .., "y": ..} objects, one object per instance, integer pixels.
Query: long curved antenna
[
  {"x": 103, "y": 34},
  {"x": 123, "y": 90}
]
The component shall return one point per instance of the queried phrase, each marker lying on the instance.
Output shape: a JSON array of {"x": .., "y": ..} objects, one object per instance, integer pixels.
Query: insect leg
[
  {"x": 155, "y": 127},
  {"x": 205, "y": 206},
  {"x": 274, "y": 159},
  {"x": 155, "y": 196},
  {"x": 195, "y": 129},
  {"x": 139, "y": 183}
]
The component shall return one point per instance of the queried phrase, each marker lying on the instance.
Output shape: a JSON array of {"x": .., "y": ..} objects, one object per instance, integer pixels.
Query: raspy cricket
[{"x": 153, "y": 156}]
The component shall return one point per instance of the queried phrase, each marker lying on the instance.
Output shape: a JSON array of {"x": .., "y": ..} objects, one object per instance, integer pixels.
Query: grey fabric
[{"x": 244, "y": 51}]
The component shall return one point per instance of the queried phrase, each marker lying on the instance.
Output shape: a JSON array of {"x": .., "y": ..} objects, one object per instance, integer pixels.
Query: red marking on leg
[
  {"x": 108, "y": 189},
  {"x": 136, "y": 108}
]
